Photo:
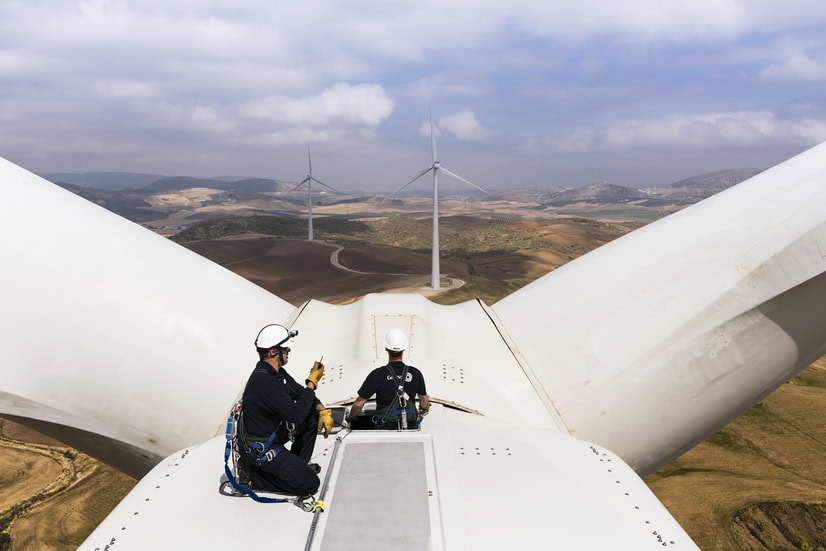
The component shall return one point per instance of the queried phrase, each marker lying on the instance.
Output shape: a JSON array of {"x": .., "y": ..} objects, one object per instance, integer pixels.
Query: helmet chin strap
[{"x": 276, "y": 352}]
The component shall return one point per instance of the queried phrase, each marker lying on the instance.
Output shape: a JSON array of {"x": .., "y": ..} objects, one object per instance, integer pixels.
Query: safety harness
[
  {"x": 398, "y": 411},
  {"x": 260, "y": 453}
]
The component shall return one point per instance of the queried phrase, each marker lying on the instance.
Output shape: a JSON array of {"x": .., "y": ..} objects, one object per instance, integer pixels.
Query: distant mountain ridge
[
  {"x": 602, "y": 192},
  {"x": 156, "y": 183},
  {"x": 686, "y": 191},
  {"x": 719, "y": 179},
  {"x": 201, "y": 198},
  {"x": 129, "y": 205},
  {"x": 598, "y": 192},
  {"x": 110, "y": 181},
  {"x": 180, "y": 183}
]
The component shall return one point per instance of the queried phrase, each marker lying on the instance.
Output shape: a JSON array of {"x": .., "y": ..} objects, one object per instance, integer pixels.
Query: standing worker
[
  {"x": 277, "y": 409},
  {"x": 394, "y": 385}
]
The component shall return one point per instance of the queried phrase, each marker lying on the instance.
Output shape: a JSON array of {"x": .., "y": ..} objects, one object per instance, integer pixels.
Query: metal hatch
[{"x": 383, "y": 481}]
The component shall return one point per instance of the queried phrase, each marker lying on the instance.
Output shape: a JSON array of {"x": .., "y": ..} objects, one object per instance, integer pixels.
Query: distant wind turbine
[
  {"x": 309, "y": 179},
  {"x": 435, "y": 168}
]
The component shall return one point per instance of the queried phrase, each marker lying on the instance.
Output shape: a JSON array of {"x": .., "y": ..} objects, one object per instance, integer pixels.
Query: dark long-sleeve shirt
[{"x": 271, "y": 397}]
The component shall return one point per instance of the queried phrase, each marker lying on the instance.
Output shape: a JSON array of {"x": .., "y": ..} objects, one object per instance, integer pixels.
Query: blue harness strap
[
  {"x": 231, "y": 477},
  {"x": 261, "y": 452}
]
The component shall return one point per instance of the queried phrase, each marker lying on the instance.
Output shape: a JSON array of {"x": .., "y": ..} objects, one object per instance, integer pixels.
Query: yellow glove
[
  {"x": 316, "y": 373},
  {"x": 325, "y": 422}
]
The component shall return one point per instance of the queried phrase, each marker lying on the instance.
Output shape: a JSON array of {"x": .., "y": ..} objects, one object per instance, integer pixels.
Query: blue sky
[{"x": 523, "y": 93}]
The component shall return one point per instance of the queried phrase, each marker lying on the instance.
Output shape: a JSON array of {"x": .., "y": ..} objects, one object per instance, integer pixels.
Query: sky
[{"x": 522, "y": 93}]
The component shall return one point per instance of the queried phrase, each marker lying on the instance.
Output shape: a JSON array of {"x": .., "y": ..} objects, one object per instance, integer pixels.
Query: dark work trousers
[{"x": 288, "y": 473}]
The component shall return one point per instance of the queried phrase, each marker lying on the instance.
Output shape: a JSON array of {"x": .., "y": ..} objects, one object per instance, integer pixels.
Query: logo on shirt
[{"x": 408, "y": 378}]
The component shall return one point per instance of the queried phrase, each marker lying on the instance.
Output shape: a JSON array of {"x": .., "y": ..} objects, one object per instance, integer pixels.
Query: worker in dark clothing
[
  {"x": 277, "y": 409},
  {"x": 394, "y": 386}
]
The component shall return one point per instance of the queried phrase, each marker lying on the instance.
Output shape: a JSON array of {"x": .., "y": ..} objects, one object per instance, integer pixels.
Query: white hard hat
[
  {"x": 275, "y": 335},
  {"x": 395, "y": 341}
]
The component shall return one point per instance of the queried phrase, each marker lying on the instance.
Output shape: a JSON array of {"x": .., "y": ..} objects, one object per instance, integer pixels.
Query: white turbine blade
[
  {"x": 317, "y": 181},
  {"x": 432, "y": 134},
  {"x": 301, "y": 183},
  {"x": 449, "y": 173},
  {"x": 419, "y": 175}
]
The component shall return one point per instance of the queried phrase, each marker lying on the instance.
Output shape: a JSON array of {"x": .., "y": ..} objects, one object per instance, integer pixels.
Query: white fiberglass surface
[
  {"x": 680, "y": 316},
  {"x": 641, "y": 347},
  {"x": 458, "y": 348},
  {"x": 472, "y": 483},
  {"x": 113, "y": 329}
]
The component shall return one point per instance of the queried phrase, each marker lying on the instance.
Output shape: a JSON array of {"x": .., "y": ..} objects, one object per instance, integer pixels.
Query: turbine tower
[
  {"x": 435, "y": 168},
  {"x": 309, "y": 179}
]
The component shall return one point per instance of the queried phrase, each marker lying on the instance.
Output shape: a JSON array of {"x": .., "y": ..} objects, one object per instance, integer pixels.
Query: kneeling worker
[
  {"x": 276, "y": 409},
  {"x": 394, "y": 385}
]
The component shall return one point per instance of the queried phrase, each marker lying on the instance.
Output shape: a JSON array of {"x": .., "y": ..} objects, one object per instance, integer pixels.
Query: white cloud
[
  {"x": 292, "y": 135},
  {"x": 807, "y": 131},
  {"x": 647, "y": 20},
  {"x": 633, "y": 21},
  {"x": 797, "y": 66},
  {"x": 210, "y": 118},
  {"x": 739, "y": 129},
  {"x": 464, "y": 125},
  {"x": 125, "y": 89},
  {"x": 426, "y": 127},
  {"x": 440, "y": 86},
  {"x": 13, "y": 62},
  {"x": 342, "y": 103},
  {"x": 354, "y": 75},
  {"x": 579, "y": 140},
  {"x": 734, "y": 129}
]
